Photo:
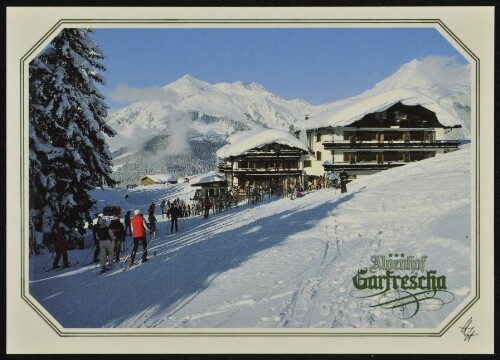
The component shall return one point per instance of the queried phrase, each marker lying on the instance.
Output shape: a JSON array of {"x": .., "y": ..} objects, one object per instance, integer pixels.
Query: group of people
[
  {"x": 185, "y": 209},
  {"x": 109, "y": 238},
  {"x": 331, "y": 180}
]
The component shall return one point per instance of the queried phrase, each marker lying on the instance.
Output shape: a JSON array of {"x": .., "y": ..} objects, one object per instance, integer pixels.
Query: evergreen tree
[{"x": 68, "y": 150}]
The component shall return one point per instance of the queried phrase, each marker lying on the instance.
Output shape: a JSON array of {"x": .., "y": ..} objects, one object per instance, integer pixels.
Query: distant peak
[
  {"x": 189, "y": 80},
  {"x": 188, "y": 77},
  {"x": 251, "y": 86}
]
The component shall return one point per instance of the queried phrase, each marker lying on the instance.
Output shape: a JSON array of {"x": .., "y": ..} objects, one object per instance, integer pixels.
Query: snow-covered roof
[
  {"x": 356, "y": 109},
  {"x": 161, "y": 178},
  {"x": 210, "y": 177},
  {"x": 243, "y": 141}
]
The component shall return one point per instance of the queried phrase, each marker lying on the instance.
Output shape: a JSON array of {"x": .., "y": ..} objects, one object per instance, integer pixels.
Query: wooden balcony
[
  {"x": 366, "y": 166},
  {"x": 390, "y": 145}
]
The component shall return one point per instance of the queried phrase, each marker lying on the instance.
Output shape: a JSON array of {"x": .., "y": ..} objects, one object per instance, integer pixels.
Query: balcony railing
[
  {"x": 349, "y": 145},
  {"x": 262, "y": 170},
  {"x": 363, "y": 166}
]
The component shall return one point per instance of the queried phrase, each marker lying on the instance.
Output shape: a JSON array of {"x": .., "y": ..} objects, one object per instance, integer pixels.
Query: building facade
[
  {"x": 262, "y": 158},
  {"x": 378, "y": 141}
]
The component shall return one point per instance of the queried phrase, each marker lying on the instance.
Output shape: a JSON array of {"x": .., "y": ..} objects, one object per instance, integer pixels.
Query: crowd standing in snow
[{"x": 109, "y": 240}]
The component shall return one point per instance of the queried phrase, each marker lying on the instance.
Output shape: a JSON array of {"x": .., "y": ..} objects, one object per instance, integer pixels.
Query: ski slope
[{"x": 279, "y": 264}]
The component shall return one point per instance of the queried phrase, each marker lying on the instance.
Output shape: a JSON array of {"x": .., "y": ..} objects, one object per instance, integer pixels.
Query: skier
[
  {"x": 151, "y": 210},
  {"x": 207, "y": 204},
  {"x": 162, "y": 207},
  {"x": 105, "y": 245},
  {"x": 343, "y": 181},
  {"x": 173, "y": 214},
  {"x": 333, "y": 179},
  {"x": 126, "y": 198},
  {"x": 139, "y": 226},
  {"x": 127, "y": 223},
  {"x": 152, "y": 225},
  {"x": 96, "y": 240},
  {"x": 61, "y": 245},
  {"x": 117, "y": 232}
]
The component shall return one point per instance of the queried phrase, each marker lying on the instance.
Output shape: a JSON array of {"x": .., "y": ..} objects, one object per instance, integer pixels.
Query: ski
[
  {"x": 103, "y": 271},
  {"x": 90, "y": 263},
  {"x": 124, "y": 262},
  {"x": 135, "y": 264},
  {"x": 60, "y": 268},
  {"x": 67, "y": 267}
]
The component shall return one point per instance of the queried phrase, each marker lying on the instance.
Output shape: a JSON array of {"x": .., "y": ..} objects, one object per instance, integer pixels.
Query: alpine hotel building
[{"x": 361, "y": 136}]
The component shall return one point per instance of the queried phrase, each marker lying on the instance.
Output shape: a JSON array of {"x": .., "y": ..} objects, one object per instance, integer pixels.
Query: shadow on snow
[{"x": 185, "y": 264}]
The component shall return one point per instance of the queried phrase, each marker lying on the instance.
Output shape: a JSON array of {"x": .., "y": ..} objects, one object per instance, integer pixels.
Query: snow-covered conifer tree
[{"x": 68, "y": 150}]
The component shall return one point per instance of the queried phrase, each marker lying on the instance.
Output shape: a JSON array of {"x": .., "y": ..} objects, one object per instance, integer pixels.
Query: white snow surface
[
  {"x": 243, "y": 141},
  {"x": 279, "y": 264}
]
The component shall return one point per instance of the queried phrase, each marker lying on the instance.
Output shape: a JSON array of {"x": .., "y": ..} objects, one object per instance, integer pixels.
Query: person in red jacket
[{"x": 139, "y": 226}]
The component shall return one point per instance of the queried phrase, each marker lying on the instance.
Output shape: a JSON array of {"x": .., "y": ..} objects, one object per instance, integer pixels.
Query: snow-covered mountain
[
  {"x": 179, "y": 127},
  {"x": 440, "y": 78}
]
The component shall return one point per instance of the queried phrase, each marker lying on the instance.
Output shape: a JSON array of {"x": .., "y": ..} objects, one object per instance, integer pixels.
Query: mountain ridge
[{"x": 165, "y": 128}]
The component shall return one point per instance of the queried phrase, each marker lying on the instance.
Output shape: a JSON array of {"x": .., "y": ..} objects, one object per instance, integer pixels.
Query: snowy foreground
[{"x": 280, "y": 264}]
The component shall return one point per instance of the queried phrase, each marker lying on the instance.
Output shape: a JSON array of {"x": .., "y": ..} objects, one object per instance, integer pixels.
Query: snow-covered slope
[{"x": 280, "y": 264}]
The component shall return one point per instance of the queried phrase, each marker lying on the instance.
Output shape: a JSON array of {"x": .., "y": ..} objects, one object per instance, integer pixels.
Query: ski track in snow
[{"x": 279, "y": 264}]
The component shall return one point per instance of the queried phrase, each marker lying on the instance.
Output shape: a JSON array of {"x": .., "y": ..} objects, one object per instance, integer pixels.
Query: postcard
[{"x": 315, "y": 180}]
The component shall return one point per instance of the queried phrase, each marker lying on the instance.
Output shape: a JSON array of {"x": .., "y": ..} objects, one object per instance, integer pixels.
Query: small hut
[
  {"x": 211, "y": 183},
  {"x": 158, "y": 179}
]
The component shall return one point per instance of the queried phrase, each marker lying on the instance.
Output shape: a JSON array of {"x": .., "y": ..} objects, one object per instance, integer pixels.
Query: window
[
  {"x": 392, "y": 136},
  {"x": 350, "y": 157},
  {"x": 318, "y": 155},
  {"x": 307, "y": 163},
  {"x": 366, "y": 135},
  {"x": 417, "y": 135},
  {"x": 391, "y": 156},
  {"x": 349, "y": 134},
  {"x": 366, "y": 157},
  {"x": 318, "y": 137},
  {"x": 242, "y": 164}
]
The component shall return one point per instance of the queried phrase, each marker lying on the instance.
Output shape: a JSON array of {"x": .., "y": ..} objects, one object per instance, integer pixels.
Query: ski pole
[
  {"x": 149, "y": 243},
  {"x": 51, "y": 258},
  {"x": 92, "y": 248}
]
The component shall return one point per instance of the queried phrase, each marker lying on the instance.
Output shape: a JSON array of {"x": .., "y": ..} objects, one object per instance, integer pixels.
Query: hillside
[{"x": 280, "y": 264}]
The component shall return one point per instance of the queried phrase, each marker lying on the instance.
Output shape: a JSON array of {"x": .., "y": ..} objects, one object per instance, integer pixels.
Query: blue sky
[{"x": 316, "y": 65}]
